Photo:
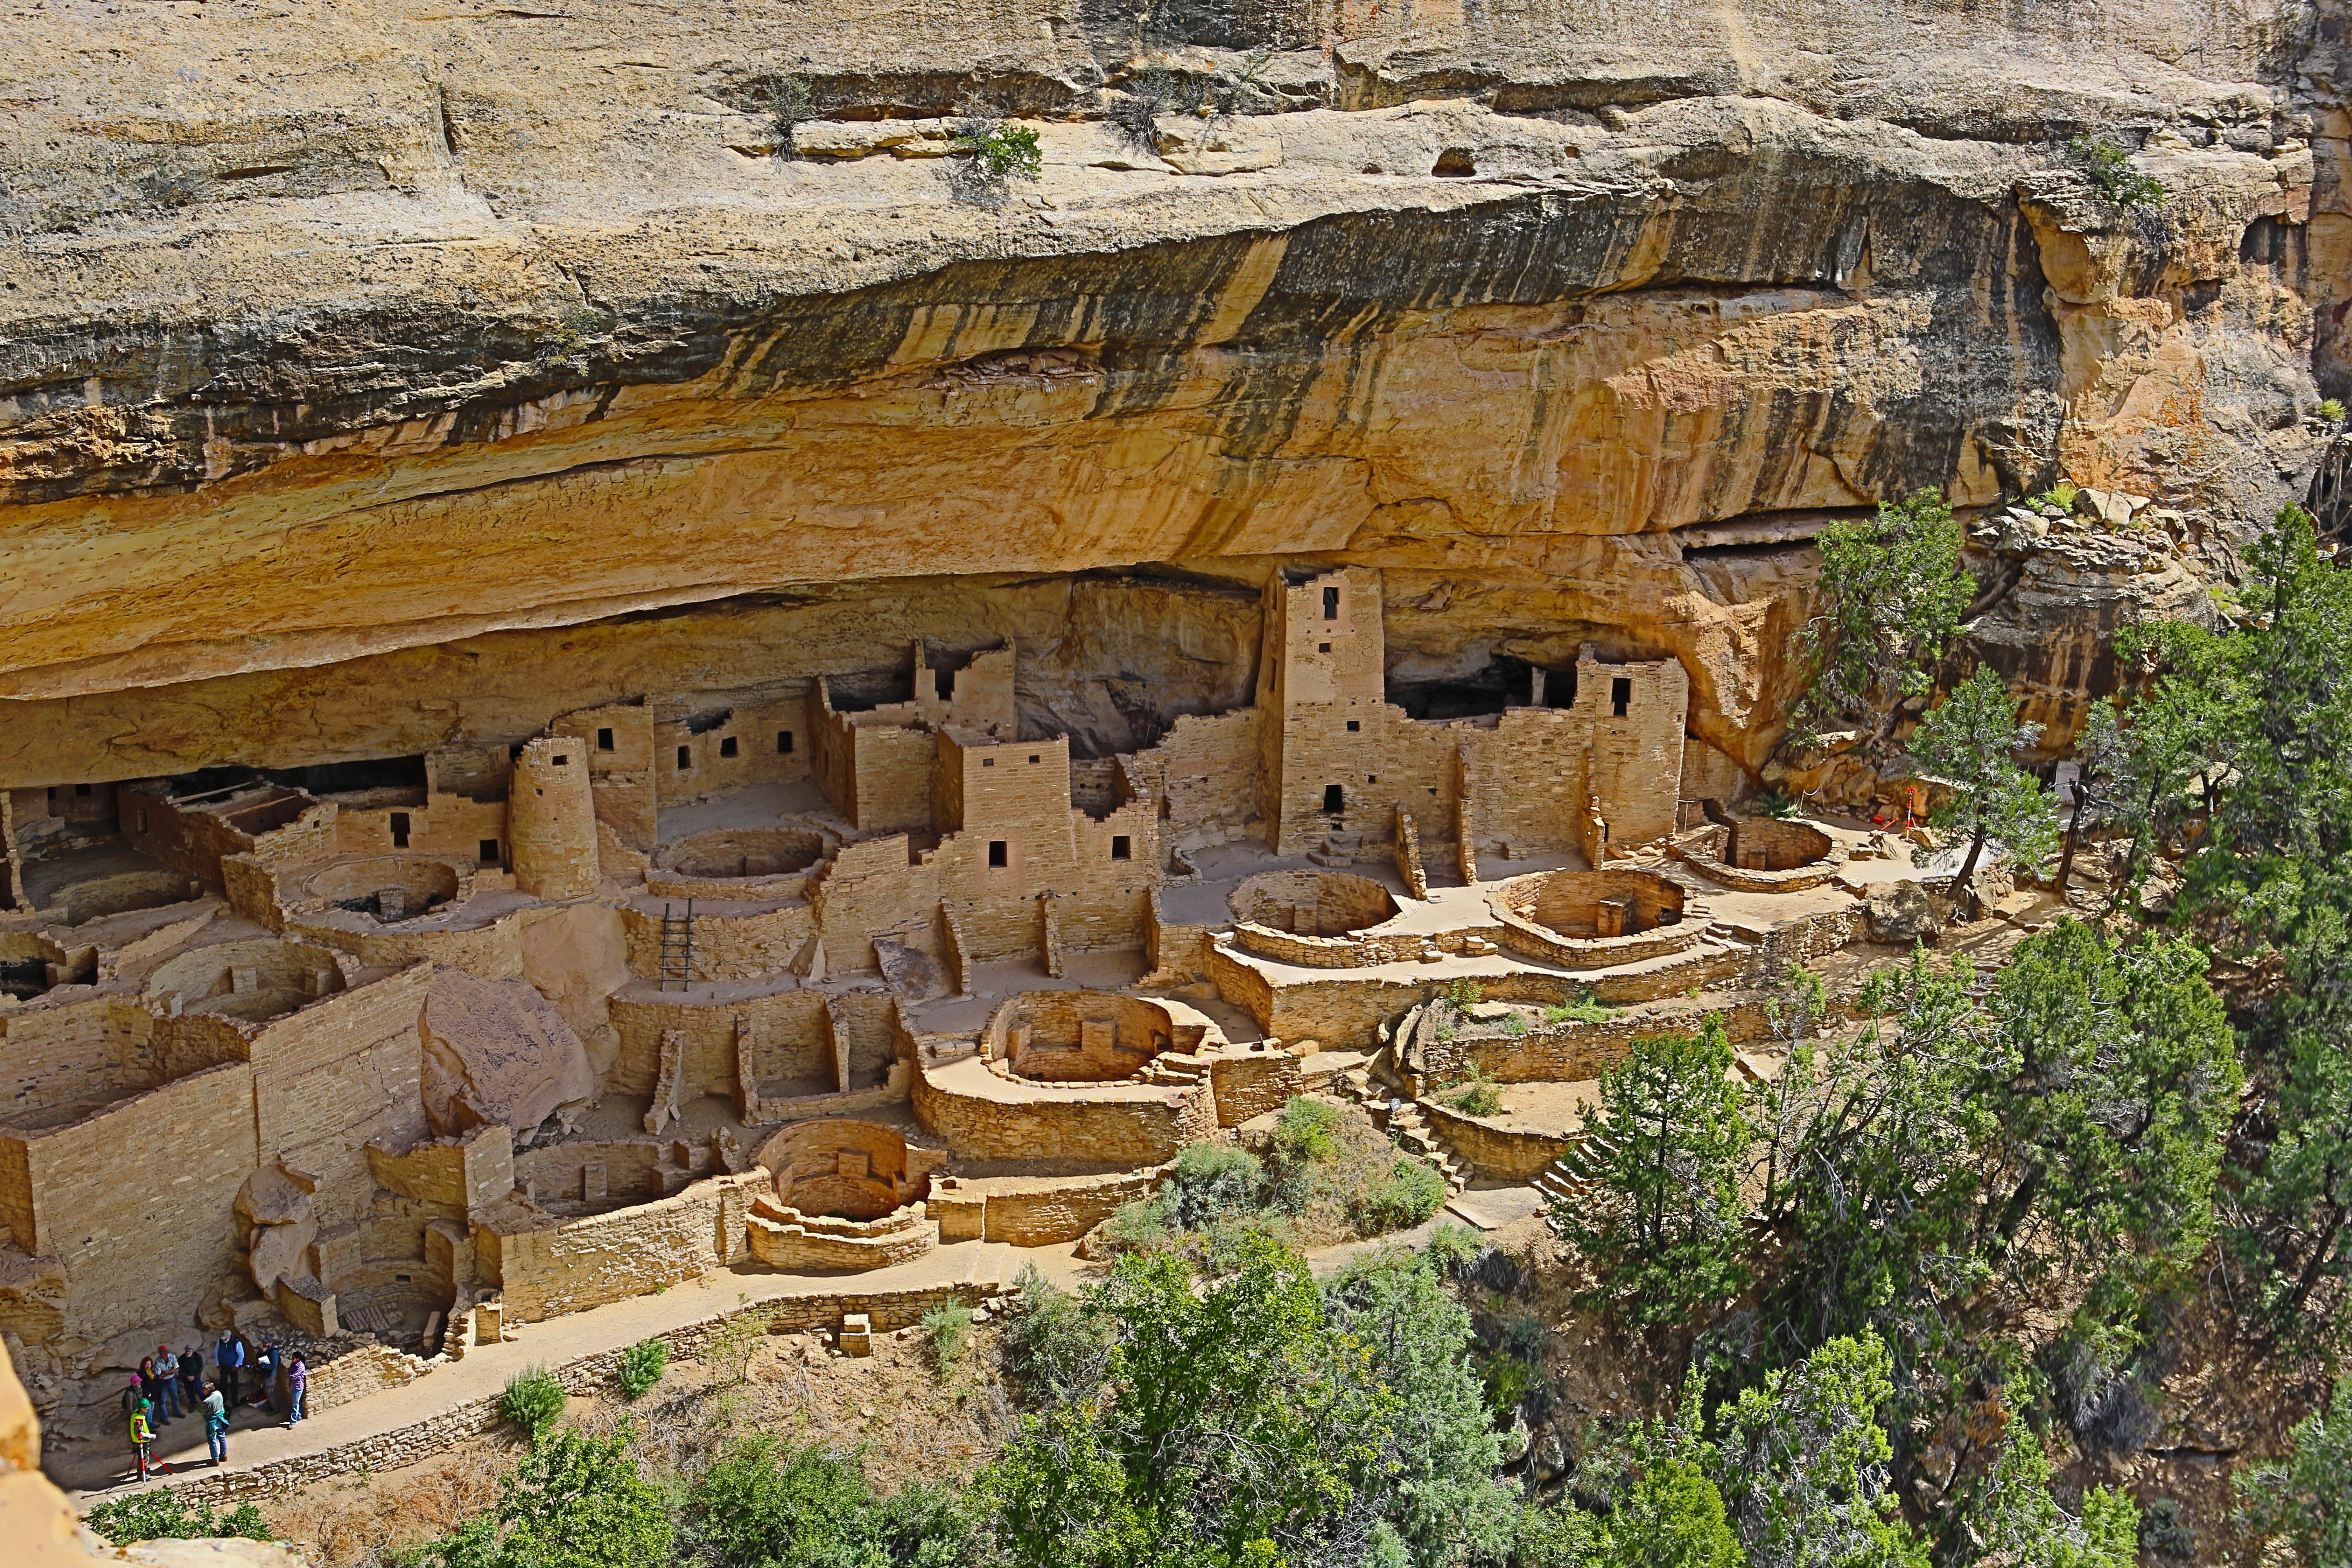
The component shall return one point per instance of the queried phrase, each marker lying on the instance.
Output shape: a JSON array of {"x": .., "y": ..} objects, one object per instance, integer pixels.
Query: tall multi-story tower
[
  {"x": 1321, "y": 683},
  {"x": 551, "y": 819}
]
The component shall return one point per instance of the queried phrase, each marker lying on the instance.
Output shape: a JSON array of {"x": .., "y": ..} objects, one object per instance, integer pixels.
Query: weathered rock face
[
  {"x": 343, "y": 349},
  {"x": 496, "y": 1052}
]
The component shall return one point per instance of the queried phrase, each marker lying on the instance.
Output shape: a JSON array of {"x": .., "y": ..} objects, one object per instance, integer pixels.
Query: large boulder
[
  {"x": 1900, "y": 913},
  {"x": 495, "y": 1051},
  {"x": 274, "y": 1211}
]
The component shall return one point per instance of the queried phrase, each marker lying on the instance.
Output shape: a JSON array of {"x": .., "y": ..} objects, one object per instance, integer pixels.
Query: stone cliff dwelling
[{"x": 819, "y": 977}]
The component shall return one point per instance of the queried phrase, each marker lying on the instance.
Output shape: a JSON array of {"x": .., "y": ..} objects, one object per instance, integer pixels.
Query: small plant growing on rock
[
  {"x": 1463, "y": 994},
  {"x": 1515, "y": 1026},
  {"x": 1774, "y": 803},
  {"x": 2332, "y": 410},
  {"x": 1002, "y": 150},
  {"x": 791, "y": 105},
  {"x": 2109, "y": 170},
  {"x": 641, "y": 1367},
  {"x": 532, "y": 1400},
  {"x": 2059, "y": 497}
]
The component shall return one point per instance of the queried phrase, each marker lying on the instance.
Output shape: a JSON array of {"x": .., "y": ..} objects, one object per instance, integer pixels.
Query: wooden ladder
[{"x": 676, "y": 948}]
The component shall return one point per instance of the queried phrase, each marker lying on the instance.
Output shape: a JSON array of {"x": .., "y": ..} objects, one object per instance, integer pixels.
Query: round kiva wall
[
  {"x": 254, "y": 981},
  {"x": 852, "y": 1169},
  {"x": 742, "y": 852},
  {"x": 1078, "y": 1036},
  {"x": 1313, "y": 903}
]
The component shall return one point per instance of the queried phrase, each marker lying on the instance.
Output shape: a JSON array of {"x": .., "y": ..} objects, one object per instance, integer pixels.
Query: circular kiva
[
  {"x": 252, "y": 981},
  {"x": 1313, "y": 903},
  {"x": 1763, "y": 844},
  {"x": 389, "y": 887},
  {"x": 1077, "y": 1036},
  {"x": 849, "y": 1170},
  {"x": 1590, "y": 919},
  {"x": 742, "y": 852}
]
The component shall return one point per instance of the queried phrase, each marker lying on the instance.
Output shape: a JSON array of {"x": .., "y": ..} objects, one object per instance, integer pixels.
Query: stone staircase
[
  {"x": 1174, "y": 1067},
  {"x": 1370, "y": 1083},
  {"x": 1413, "y": 1131},
  {"x": 1569, "y": 1179}
]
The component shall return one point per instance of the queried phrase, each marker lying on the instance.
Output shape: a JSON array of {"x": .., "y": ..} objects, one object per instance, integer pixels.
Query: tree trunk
[
  {"x": 1964, "y": 892},
  {"x": 2074, "y": 836}
]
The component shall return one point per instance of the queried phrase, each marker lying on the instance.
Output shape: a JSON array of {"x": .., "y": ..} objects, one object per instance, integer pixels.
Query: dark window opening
[
  {"x": 1560, "y": 688},
  {"x": 1330, "y": 604},
  {"x": 1121, "y": 847},
  {"x": 943, "y": 682},
  {"x": 563, "y": 759},
  {"x": 727, "y": 745},
  {"x": 1354, "y": 726},
  {"x": 53, "y": 794},
  {"x": 783, "y": 742},
  {"x": 603, "y": 739},
  {"x": 400, "y": 830},
  {"x": 81, "y": 792},
  {"x": 1454, "y": 163},
  {"x": 1032, "y": 758},
  {"x": 1322, "y": 648},
  {"x": 487, "y": 852},
  {"x": 1371, "y": 778},
  {"x": 514, "y": 753},
  {"x": 1620, "y": 695},
  {"x": 1335, "y": 800},
  {"x": 996, "y": 852},
  {"x": 988, "y": 761},
  {"x": 684, "y": 758}
]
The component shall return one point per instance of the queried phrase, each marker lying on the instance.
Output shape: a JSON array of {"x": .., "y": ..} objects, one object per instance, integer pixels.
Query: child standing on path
[
  {"x": 141, "y": 1435},
  {"x": 216, "y": 1425},
  {"x": 298, "y": 1385}
]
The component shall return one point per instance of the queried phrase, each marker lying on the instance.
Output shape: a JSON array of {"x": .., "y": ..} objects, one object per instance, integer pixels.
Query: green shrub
[
  {"x": 532, "y": 1400},
  {"x": 1515, "y": 1026},
  {"x": 947, "y": 1334},
  {"x": 1475, "y": 1095},
  {"x": 1464, "y": 994},
  {"x": 1774, "y": 803},
  {"x": 2060, "y": 494},
  {"x": 641, "y": 1367},
  {"x": 1005, "y": 150},
  {"x": 575, "y": 1501},
  {"x": 1409, "y": 1193},
  {"x": 1453, "y": 1250},
  {"x": 1053, "y": 1348},
  {"x": 1211, "y": 1182},
  {"x": 1306, "y": 1133},
  {"x": 1582, "y": 1009},
  {"x": 2332, "y": 410},
  {"x": 2109, "y": 170},
  {"x": 164, "y": 1516},
  {"x": 791, "y": 105}
]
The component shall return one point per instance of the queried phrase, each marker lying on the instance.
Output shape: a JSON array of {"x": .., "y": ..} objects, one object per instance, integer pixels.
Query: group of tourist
[{"x": 268, "y": 1378}]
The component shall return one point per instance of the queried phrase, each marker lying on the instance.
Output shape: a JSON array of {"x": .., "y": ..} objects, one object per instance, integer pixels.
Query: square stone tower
[{"x": 1321, "y": 681}]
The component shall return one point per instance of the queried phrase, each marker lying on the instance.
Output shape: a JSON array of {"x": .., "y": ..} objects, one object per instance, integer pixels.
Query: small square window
[
  {"x": 988, "y": 761},
  {"x": 487, "y": 852},
  {"x": 684, "y": 758},
  {"x": 562, "y": 760},
  {"x": 783, "y": 742},
  {"x": 996, "y": 852},
  {"x": 1354, "y": 726},
  {"x": 727, "y": 745},
  {"x": 1371, "y": 778},
  {"x": 1322, "y": 648},
  {"x": 603, "y": 739},
  {"x": 1121, "y": 846},
  {"x": 1032, "y": 756}
]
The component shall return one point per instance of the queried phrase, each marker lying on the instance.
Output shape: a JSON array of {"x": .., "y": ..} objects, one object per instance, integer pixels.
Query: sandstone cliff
[{"x": 346, "y": 347}]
